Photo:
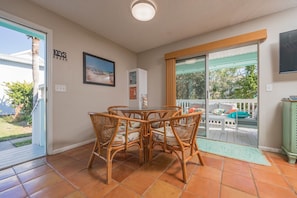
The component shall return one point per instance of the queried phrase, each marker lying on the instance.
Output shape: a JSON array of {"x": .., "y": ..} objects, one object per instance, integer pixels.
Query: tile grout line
[
  {"x": 254, "y": 180},
  {"x": 61, "y": 175},
  {"x": 22, "y": 184},
  {"x": 284, "y": 176},
  {"x": 221, "y": 181},
  {"x": 157, "y": 178}
]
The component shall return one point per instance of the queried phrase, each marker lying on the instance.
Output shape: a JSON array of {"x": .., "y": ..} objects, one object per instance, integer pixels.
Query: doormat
[{"x": 244, "y": 153}]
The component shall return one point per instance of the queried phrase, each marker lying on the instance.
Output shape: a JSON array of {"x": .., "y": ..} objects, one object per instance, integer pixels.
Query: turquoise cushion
[{"x": 238, "y": 114}]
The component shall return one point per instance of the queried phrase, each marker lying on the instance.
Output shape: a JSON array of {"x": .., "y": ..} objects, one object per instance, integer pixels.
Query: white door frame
[{"x": 48, "y": 69}]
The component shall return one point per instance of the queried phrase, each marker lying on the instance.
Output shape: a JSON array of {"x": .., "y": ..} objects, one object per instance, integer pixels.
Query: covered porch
[{"x": 229, "y": 120}]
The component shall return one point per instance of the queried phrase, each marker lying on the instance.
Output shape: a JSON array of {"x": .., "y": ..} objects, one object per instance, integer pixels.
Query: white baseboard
[
  {"x": 60, "y": 150},
  {"x": 270, "y": 149},
  {"x": 66, "y": 148}
]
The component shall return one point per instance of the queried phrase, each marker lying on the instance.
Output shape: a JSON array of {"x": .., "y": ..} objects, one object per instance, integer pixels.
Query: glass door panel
[
  {"x": 191, "y": 87},
  {"x": 233, "y": 91}
]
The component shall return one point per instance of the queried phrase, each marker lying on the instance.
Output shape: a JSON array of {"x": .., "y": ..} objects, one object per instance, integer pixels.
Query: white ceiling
[{"x": 175, "y": 19}]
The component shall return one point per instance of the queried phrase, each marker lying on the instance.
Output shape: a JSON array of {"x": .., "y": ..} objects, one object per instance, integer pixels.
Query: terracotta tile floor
[{"x": 66, "y": 175}]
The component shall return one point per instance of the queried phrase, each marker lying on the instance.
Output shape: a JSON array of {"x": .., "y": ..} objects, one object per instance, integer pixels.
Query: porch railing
[
  {"x": 247, "y": 105},
  {"x": 38, "y": 130}
]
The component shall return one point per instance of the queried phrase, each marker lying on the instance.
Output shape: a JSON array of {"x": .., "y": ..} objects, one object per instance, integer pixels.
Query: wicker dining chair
[
  {"x": 113, "y": 134},
  {"x": 120, "y": 111},
  {"x": 163, "y": 114},
  {"x": 179, "y": 109},
  {"x": 113, "y": 110},
  {"x": 178, "y": 137}
]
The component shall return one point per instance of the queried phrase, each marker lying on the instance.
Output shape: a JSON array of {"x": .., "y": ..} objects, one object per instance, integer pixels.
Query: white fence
[{"x": 247, "y": 105}]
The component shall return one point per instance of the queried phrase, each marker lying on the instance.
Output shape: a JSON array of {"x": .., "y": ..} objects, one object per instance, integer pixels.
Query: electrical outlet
[
  {"x": 60, "y": 88},
  {"x": 268, "y": 87}
]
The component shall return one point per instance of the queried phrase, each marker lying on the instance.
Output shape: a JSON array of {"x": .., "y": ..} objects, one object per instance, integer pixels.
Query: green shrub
[{"x": 21, "y": 98}]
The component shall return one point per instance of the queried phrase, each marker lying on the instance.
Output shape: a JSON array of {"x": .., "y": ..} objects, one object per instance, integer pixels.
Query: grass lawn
[
  {"x": 23, "y": 143},
  {"x": 9, "y": 130}
]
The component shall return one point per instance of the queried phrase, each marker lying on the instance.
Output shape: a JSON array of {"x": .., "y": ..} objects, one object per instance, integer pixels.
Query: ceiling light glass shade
[{"x": 143, "y": 10}]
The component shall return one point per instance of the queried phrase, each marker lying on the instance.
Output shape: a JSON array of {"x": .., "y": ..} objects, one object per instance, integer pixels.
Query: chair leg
[
  {"x": 141, "y": 155},
  {"x": 143, "y": 150},
  {"x": 95, "y": 148},
  {"x": 198, "y": 154},
  {"x": 108, "y": 168},
  {"x": 91, "y": 160},
  {"x": 200, "y": 159},
  {"x": 150, "y": 150},
  {"x": 184, "y": 169},
  {"x": 109, "y": 171}
]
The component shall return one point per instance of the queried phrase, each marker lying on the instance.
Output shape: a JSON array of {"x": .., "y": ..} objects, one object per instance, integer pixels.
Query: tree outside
[
  {"x": 35, "y": 67},
  {"x": 227, "y": 83},
  {"x": 190, "y": 86},
  {"x": 18, "y": 125},
  {"x": 21, "y": 98}
]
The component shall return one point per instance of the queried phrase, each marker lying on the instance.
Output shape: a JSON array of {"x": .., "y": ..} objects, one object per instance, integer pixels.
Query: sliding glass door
[{"x": 224, "y": 86}]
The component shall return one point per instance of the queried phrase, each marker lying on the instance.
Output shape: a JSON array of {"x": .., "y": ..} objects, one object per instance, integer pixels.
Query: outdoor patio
[
  {"x": 10, "y": 156},
  {"x": 242, "y": 136},
  {"x": 243, "y": 131}
]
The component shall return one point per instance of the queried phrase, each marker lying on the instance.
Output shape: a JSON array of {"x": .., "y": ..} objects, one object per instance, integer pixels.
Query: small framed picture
[
  {"x": 133, "y": 95},
  {"x": 97, "y": 70}
]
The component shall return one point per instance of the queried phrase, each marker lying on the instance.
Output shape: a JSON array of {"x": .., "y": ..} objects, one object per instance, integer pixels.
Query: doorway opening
[{"x": 22, "y": 92}]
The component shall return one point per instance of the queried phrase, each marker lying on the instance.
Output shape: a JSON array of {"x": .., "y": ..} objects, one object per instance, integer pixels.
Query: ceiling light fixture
[{"x": 143, "y": 10}]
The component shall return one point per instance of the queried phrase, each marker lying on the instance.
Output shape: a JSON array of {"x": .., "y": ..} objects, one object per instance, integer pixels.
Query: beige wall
[
  {"x": 71, "y": 125},
  {"x": 270, "y": 126}
]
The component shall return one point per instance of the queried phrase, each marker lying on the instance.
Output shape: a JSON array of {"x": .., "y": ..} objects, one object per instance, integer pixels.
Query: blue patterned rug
[{"x": 244, "y": 153}]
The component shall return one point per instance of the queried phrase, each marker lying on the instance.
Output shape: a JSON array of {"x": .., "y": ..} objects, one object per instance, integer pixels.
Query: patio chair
[
  {"x": 179, "y": 137},
  {"x": 113, "y": 134}
]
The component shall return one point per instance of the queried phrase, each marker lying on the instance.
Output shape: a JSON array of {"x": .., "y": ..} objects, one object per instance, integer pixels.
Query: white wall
[
  {"x": 71, "y": 124},
  {"x": 270, "y": 117},
  {"x": 14, "y": 71}
]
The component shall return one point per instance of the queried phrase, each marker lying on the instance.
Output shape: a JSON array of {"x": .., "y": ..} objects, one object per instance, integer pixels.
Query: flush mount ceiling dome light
[{"x": 143, "y": 10}]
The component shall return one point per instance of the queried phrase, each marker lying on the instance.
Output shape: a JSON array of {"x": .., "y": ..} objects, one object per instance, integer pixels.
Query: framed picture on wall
[
  {"x": 132, "y": 93},
  {"x": 97, "y": 70}
]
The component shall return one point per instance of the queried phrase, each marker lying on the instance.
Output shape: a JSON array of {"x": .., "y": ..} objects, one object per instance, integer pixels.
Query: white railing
[
  {"x": 248, "y": 105},
  {"x": 38, "y": 130}
]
